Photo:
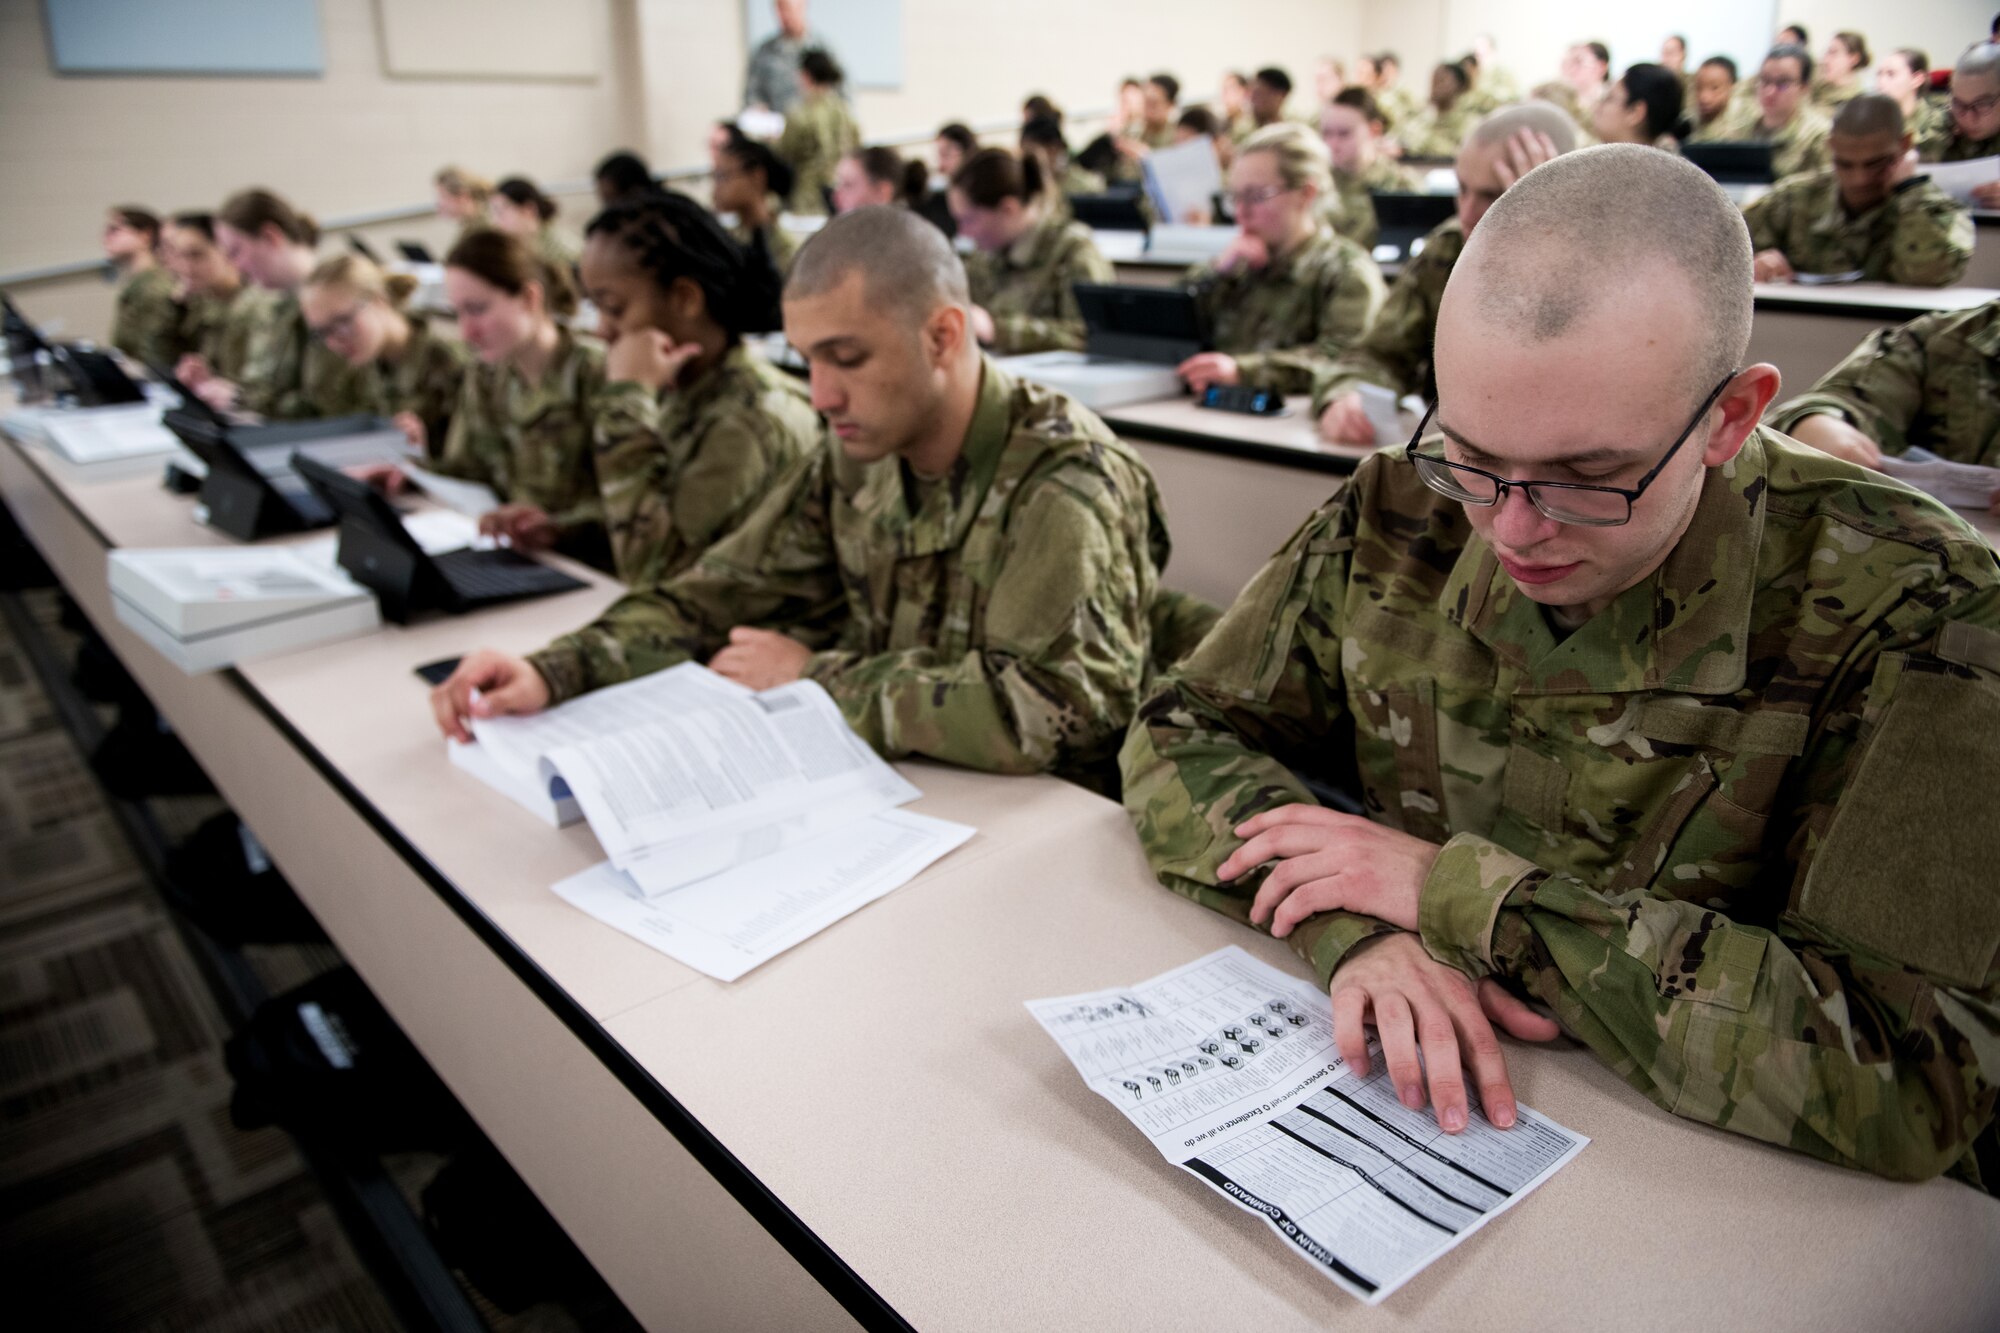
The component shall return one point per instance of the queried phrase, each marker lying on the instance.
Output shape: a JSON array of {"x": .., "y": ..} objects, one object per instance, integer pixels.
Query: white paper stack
[
  {"x": 1096, "y": 382},
  {"x": 98, "y": 438},
  {"x": 210, "y": 607},
  {"x": 736, "y": 822}
]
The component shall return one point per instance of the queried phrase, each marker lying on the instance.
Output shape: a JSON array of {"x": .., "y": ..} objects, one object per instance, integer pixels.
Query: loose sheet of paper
[
  {"x": 729, "y": 923},
  {"x": 1229, "y": 1068},
  {"x": 1183, "y": 180},
  {"x": 1959, "y": 179},
  {"x": 471, "y": 498},
  {"x": 1960, "y": 485},
  {"x": 695, "y": 790}
]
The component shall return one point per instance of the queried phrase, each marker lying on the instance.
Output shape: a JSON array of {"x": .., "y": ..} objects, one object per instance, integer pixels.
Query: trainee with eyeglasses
[
  {"x": 1660, "y": 720},
  {"x": 1972, "y": 130},
  {"x": 402, "y": 370}
]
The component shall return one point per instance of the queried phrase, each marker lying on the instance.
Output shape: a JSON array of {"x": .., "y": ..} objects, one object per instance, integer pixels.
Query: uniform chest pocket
[{"x": 1668, "y": 793}]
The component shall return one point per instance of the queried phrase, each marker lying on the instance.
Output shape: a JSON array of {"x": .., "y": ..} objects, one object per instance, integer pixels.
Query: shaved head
[
  {"x": 1869, "y": 114},
  {"x": 1587, "y": 227},
  {"x": 904, "y": 261},
  {"x": 1981, "y": 62},
  {"x": 1540, "y": 117}
]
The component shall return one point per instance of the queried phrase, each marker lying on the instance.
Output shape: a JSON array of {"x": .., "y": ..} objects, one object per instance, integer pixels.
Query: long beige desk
[
  {"x": 872, "y": 1121},
  {"x": 1235, "y": 486},
  {"x": 1984, "y": 271},
  {"x": 1807, "y": 331}
]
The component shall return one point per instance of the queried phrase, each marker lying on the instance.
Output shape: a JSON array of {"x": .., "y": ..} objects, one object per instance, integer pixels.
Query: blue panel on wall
[
  {"x": 185, "y": 36},
  {"x": 866, "y": 36}
]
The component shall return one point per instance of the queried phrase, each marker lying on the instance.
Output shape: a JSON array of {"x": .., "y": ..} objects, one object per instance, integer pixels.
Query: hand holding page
[
  {"x": 471, "y": 498},
  {"x": 1229, "y": 1068},
  {"x": 1959, "y": 179},
  {"x": 1182, "y": 181}
]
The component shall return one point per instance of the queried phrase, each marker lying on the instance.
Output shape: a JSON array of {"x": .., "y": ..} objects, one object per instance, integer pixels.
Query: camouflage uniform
[
  {"x": 1798, "y": 145},
  {"x": 1435, "y": 133},
  {"x": 996, "y": 617},
  {"x": 1026, "y": 288},
  {"x": 1349, "y": 207},
  {"x": 146, "y": 323},
  {"x": 773, "y": 77},
  {"x": 1285, "y": 321},
  {"x": 1736, "y": 830},
  {"x": 1942, "y": 142},
  {"x": 819, "y": 131},
  {"x": 219, "y": 329},
  {"x": 681, "y": 469},
  {"x": 427, "y": 379},
  {"x": 779, "y": 244},
  {"x": 1396, "y": 353},
  {"x": 558, "y": 249},
  {"x": 1917, "y": 236},
  {"x": 288, "y": 373},
  {"x": 1397, "y": 107},
  {"x": 531, "y": 442},
  {"x": 1933, "y": 382},
  {"x": 1829, "y": 98}
]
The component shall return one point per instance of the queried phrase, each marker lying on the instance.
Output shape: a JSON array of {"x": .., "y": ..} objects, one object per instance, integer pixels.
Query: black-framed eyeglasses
[{"x": 1563, "y": 501}]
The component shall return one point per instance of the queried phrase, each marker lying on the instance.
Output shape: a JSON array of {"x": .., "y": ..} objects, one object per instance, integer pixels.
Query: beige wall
[
  {"x": 975, "y": 60},
  {"x": 352, "y": 141}
]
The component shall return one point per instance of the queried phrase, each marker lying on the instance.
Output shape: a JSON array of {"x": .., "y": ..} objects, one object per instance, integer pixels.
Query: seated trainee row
[{"x": 967, "y": 562}]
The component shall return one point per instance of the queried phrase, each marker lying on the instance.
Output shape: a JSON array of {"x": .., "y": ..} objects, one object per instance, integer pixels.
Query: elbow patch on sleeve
[{"x": 1907, "y": 870}]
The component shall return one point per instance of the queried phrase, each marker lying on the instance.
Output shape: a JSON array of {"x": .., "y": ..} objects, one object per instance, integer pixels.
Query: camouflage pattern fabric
[
  {"x": 287, "y": 373},
  {"x": 1736, "y": 830},
  {"x": 1396, "y": 352},
  {"x": 1942, "y": 141},
  {"x": 532, "y": 442},
  {"x": 427, "y": 379},
  {"x": 1435, "y": 133},
  {"x": 773, "y": 76},
  {"x": 220, "y": 329},
  {"x": 1026, "y": 288},
  {"x": 996, "y": 617},
  {"x": 1917, "y": 236},
  {"x": 1934, "y": 382},
  {"x": 819, "y": 131},
  {"x": 1349, "y": 208},
  {"x": 1288, "y": 320},
  {"x": 681, "y": 469},
  {"x": 1798, "y": 145},
  {"x": 146, "y": 322}
]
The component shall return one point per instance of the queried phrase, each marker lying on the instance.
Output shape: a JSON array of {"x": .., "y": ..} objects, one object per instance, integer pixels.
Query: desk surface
[
  {"x": 1289, "y": 439},
  {"x": 884, "y": 1084},
  {"x": 1869, "y": 300}
]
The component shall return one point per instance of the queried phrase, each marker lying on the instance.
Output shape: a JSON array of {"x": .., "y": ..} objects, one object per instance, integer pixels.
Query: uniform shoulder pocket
[
  {"x": 1246, "y": 652},
  {"x": 1907, "y": 867}
]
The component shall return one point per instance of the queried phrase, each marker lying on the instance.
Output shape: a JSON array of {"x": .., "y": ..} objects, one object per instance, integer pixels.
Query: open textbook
[
  {"x": 683, "y": 774},
  {"x": 1229, "y": 1068}
]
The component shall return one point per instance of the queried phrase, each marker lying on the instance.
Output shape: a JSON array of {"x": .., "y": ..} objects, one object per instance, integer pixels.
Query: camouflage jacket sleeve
[
  {"x": 464, "y": 452},
  {"x": 1062, "y": 329},
  {"x": 1397, "y": 346},
  {"x": 1879, "y": 388},
  {"x": 1063, "y": 655},
  {"x": 1864, "y": 1028},
  {"x": 779, "y": 570},
  {"x": 1931, "y": 244},
  {"x": 147, "y": 323},
  {"x": 1209, "y": 746},
  {"x": 1348, "y": 305},
  {"x": 1769, "y": 217}
]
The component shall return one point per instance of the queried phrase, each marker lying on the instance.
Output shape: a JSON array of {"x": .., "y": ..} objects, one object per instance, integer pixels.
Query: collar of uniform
[
  {"x": 1029, "y": 246},
  {"x": 947, "y": 508},
  {"x": 1983, "y": 336},
  {"x": 527, "y": 401},
  {"x": 1830, "y": 216},
  {"x": 1685, "y": 628}
]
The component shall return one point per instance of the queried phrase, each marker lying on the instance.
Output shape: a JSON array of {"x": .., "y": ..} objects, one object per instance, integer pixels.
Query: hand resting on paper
[
  {"x": 760, "y": 659},
  {"x": 506, "y": 684},
  {"x": 1326, "y": 861}
]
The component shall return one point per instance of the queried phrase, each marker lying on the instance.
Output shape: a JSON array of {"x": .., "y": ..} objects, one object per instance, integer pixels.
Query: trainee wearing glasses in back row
[{"x": 1647, "y": 706}]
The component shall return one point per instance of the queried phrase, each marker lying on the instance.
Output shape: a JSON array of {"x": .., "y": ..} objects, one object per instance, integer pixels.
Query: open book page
[
  {"x": 1229, "y": 1068},
  {"x": 685, "y": 794},
  {"x": 1960, "y": 485},
  {"x": 728, "y": 924},
  {"x": 519, "y": 743}
]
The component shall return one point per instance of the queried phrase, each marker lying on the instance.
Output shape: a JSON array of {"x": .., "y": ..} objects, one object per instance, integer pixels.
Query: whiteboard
[
  {"x": 185, "y": 37},
  {"x": 865, "y": 36}
]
